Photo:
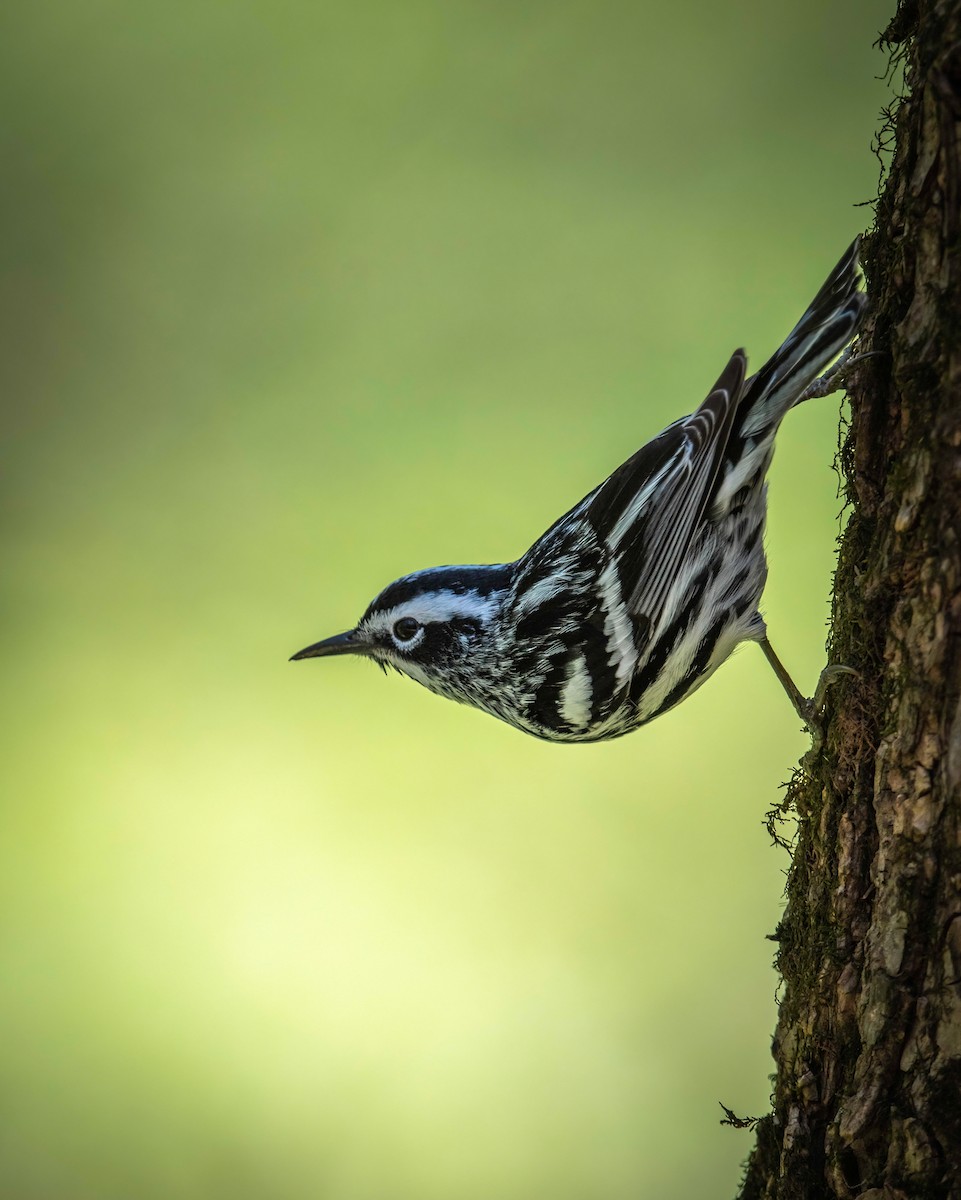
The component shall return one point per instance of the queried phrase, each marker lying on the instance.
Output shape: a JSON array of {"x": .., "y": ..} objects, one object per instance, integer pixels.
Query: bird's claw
[
  {"x": 836, "y": 377},
  {"x": 808, "y": 710},
  {"x": 814, "y": 708},
  {"x": 827, "y": 677}
]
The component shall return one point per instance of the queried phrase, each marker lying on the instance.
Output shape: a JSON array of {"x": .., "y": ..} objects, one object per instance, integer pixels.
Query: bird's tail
[{"x": 830, "y": 322}]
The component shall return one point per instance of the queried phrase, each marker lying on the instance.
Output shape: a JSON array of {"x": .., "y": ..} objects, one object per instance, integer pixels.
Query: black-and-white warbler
[{"x": 639, "y": 593}]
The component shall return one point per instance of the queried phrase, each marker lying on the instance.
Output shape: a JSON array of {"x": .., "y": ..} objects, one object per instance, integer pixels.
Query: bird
[{"x": 633, "y": 598}]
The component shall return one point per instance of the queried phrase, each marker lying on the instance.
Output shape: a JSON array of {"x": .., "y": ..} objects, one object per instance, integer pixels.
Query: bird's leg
[
  {"x": 836, "y": 376},
  {"x": 808, "y": 710},
  {"x": 801, "y": 706}
]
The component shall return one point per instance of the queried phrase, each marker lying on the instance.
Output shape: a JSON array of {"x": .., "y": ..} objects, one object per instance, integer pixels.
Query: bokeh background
[{"x": 299, "y": 297}]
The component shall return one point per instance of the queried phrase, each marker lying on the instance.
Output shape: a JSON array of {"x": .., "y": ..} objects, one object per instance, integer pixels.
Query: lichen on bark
[{"x": 867, "y": 1094}]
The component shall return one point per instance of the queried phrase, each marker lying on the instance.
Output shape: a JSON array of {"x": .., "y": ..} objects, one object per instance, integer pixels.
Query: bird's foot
[
  {"x": 836, "y": 377},
  {"x": 812, "y": 710}
]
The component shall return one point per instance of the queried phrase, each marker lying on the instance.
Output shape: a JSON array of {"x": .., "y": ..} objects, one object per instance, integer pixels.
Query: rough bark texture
[{"x": 867, "y": 1098}]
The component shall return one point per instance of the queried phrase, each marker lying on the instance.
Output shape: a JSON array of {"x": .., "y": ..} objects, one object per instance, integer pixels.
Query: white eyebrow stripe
[{"x": 443, "y": 606}]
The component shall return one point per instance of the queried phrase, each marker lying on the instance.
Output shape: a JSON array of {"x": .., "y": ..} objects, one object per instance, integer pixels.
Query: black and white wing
[
  {"x": 647, "y": 511},
  {"x": 589, "y": 594}
]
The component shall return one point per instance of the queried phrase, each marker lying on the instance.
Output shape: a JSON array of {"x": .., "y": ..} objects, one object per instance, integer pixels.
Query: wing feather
[
  {"x": 648, "y": 510},
  {"x": 613, "y": 557}
]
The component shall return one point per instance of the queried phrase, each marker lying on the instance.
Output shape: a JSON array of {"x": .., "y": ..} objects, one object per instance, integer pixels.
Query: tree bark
[{"x": 867, "y": 1094}]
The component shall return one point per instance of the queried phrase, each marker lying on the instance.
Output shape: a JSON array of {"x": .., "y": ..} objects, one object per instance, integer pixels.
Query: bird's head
[{"x": 431, "y": 626}]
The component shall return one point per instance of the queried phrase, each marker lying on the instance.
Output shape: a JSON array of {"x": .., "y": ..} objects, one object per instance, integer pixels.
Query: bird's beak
[{"x": 342, "y": 643}]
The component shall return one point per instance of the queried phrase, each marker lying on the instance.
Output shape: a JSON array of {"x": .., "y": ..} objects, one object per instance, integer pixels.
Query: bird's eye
[{"x": 405, "y": 629}]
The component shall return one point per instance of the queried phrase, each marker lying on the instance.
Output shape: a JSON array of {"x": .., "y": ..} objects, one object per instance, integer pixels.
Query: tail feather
[{"x": 830, "y": 322}]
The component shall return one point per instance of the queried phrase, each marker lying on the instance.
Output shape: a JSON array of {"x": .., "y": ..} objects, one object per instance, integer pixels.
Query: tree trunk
[{"x": 867, "y": 1098}]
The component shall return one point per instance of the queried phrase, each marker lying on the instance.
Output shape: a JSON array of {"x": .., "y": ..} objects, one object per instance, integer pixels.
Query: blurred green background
[{"x": 297, "y": 298}]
